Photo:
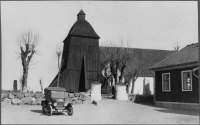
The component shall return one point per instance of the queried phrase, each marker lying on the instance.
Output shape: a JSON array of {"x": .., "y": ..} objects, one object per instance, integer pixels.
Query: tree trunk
[
  {"x": 122, "y": 80},
  {"x": 130, "y": 86},
  {"x": 20, "y": 86},
  {"x": 133, "y": 83},
  {"x": 25, "y": 76},
  {"x": 42, "y": 84},
  {"x": 58, "y": 72},
  {"x": 58, "y": 78},
  {"x": 113, "y": 87},
  {"x": 118, "y": 75}
]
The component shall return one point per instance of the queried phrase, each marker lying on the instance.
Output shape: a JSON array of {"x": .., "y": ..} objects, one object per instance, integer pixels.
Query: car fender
[
  {"x": 69, "y": 105},
  {"x": 43, "y": 102}
]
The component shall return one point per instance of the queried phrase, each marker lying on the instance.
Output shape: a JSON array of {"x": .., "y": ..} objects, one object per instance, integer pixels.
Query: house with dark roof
[
  {"x": 176, "y": 79},
  {"x": 146, "y": 58}
]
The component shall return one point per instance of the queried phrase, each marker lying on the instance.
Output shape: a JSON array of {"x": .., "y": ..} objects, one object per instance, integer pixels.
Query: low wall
[
  {"x": 191, "y": 106},
  {"x": 141, "y": 99},
  {"x": 21, "y": 98}
]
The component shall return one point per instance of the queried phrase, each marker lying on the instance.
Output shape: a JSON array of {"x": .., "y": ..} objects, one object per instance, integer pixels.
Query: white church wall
[{"x": 139, "y": 85}]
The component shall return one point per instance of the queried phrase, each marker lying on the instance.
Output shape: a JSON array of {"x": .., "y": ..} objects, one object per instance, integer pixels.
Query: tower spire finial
[{"x": 81, "y": 15}]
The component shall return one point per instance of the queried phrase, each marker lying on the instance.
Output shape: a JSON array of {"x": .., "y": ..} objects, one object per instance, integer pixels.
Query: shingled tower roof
[{"x": 82, "y": 27}]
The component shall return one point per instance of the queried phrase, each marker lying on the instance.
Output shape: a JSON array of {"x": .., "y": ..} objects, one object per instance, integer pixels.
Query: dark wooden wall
[
  {"x": 82, "y": 63},
  {"x": 176, "y": 94}
]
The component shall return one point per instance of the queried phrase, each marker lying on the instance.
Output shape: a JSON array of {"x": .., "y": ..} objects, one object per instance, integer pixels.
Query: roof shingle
[
  {"x": 82, "y": 28},
  {"x": 187, "y": 55},
  {"x": 146, "y": 58}
]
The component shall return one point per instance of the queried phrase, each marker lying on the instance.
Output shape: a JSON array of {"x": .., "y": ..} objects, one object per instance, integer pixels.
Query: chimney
[{"x": 81, "y": 15}]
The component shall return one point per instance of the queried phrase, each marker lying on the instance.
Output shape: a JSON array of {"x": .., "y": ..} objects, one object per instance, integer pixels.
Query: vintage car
[{"x": 56, "y": 98}]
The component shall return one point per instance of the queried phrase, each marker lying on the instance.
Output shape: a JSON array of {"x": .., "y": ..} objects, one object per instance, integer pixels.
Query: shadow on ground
[
  {"x": 174, "y": 110},
  {"x": 54, "y": 113},
  {"x": 107, "y": 96},
  {"x": 160, "y": 108},
  {"x": 37, "y": 111},
  {"x": 179, "y": 111}
]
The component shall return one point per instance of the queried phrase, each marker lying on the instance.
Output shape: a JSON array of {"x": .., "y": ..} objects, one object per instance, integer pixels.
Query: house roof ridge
[
  {"x": 192, "y": 44},
  {"x": 136, "y": 48}
]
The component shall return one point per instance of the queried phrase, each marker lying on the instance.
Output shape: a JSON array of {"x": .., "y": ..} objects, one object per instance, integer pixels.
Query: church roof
[
  {"x": 144, "y": 58},
  {"x": 82, "y": 27}
]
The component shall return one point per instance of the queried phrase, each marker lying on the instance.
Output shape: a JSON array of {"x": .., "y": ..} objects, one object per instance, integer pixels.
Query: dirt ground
[{"x": 106, "y": 112}]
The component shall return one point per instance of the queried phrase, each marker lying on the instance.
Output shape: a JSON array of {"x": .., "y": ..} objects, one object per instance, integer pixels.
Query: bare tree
[
  {"x": 131, "y": 74},
  {"x": 27, "y": 43},
  {"x": 41, "y": 84},
  {"x": 106, "y": 72},
  {"x": 58, "y": 55},
  {"x": 177, "y": 47},
  {"x": 121, "y": 63},
  {"x": 118, "y": 59}
]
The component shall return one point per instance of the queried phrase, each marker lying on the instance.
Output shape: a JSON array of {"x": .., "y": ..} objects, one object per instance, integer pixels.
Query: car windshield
[{"x": 57, "y": 92}]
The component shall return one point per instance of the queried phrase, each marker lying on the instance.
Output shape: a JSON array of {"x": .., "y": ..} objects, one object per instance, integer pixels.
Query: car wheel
[
  {"x": 49, "y": 111},
  {"x": 70, "y": 111}
]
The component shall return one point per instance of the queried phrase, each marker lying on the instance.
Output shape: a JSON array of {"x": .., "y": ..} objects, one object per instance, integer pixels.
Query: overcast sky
[{"x": 141, "y": 24}]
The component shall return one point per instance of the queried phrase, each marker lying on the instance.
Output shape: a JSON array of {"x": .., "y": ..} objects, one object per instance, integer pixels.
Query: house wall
[
  {"x": 176, "y": 94},
  {"x": 143, "y": 88}
]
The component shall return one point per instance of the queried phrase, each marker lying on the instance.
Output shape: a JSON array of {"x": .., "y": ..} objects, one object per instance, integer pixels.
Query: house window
[
  {"x": 166, "y": 82},
  {"x": 186, "y": 80}
]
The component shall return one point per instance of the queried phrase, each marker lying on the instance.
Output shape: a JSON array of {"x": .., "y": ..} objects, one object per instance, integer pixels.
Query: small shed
[{"x": 81, "y": 57}]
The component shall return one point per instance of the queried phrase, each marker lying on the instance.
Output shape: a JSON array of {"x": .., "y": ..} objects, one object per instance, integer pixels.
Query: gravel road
[{"x": 107, "y": 112}]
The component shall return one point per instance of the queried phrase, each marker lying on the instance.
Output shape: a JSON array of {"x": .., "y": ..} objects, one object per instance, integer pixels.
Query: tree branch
[{"x": 30, "y": 57}]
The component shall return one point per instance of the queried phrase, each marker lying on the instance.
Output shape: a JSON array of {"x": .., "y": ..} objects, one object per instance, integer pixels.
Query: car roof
[{"x": 55, "y": 89}]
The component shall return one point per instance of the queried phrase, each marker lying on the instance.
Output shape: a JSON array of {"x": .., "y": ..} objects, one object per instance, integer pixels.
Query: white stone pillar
[
  {"x": 120, "y": 92},
  {"x": 96, "y": 92}
]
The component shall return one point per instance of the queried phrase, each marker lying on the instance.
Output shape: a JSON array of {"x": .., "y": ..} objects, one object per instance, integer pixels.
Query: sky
[{"x": 140, "y": 24}]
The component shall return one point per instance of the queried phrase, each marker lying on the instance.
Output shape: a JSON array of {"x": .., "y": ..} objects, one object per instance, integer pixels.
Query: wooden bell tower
[{"x": 81, "y": 57}]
